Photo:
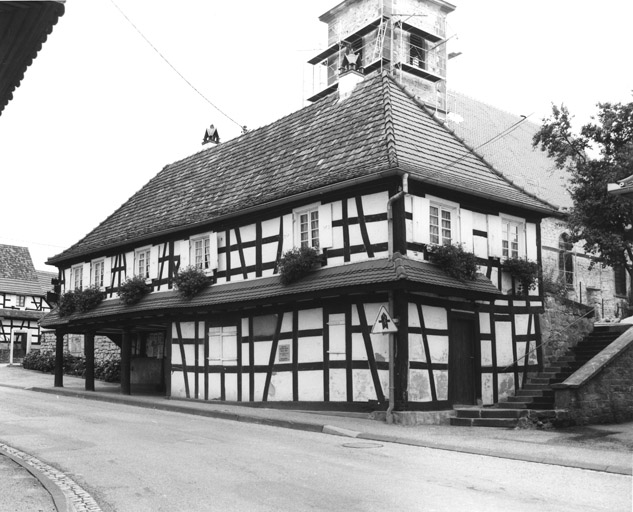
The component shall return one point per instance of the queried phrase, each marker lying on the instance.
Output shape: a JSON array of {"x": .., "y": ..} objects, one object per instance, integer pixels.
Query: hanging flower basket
[
  {"x": 296, "y": 263},
  {"x": 454, "y": 260}
]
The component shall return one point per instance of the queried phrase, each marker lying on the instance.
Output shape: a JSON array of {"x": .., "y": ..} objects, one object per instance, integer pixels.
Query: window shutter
[
  {"x": 530, "y": 248},
  {"x": 325, "y": 226},
  {"x": 153, "y": 262},
  {"x": 107, "y": 272},
  {"x": 85, "y": 278},
  {"x": 184, "y": 254},
  {"x": 288, "y": 235},
  {"x": 213, "y": 251},
  {"x": 494, "y": 236},
  {"x": 420, "y": 209},
  {"x": 466, "y": 229}
]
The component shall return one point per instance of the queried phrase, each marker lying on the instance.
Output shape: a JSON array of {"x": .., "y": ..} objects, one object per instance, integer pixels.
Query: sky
[{"x": 100, "y": 112}]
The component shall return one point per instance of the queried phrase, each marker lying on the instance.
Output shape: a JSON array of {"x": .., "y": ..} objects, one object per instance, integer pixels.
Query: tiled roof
[
  {"x": 25, "y": 27},
  {"x": 373, "y": 274},
  {"x": 378, "y": 129},
  {"x": 17, "y": 273},
  {"x": 512, "y": 154},
  {"x": 45, "y": 280}
]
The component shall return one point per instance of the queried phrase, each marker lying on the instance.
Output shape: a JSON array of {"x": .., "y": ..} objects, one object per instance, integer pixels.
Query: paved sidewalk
[{"x": 607, "y": 448}]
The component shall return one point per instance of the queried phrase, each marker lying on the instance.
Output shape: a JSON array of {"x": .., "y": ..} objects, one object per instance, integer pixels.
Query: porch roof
[{"x": 364, "y": 277}]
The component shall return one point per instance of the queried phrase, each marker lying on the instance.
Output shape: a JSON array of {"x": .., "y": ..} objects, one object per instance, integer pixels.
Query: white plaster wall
[
  {"x": 262, "y": 352},
  {"x": 438, "y": 346},
  {"x": 311, "y": 318},
  {"x": 487, "y": 388},
  {"x": 178, "y": 385},
  {"x": 310, "y": 349},
  {"x": 359, "y": 352},
  {"x": 484, "y": 323},
  {"x": 280, "y": 387},
  {"x": 338, "y": 385},
  {"x": 310, "y": 386},
  {"x": 441, "y": 384},
  {"x": 419, "y": 386},
  {"x": 503, "y": 333},
  {"x": 363, "y": 386},
  {"x": 506, "y": 385},
  {"x": 416, "y": 348},
  {"x": 434, "y": 317},
  {"x": 486, "y": 353}
]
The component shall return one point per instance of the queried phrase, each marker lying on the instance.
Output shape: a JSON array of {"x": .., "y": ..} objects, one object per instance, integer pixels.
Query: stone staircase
[{"x": 536, "y": 399}]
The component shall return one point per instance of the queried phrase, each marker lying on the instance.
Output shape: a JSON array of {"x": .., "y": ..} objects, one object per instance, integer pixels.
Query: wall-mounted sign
[{"x": 384, "y": 324}]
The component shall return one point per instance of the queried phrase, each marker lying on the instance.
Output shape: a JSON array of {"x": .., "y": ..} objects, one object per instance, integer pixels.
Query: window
[
  {"x": 510, "y": 238},
  {"x": 309, "y": 228},
  {"x": 76, "y": 277},
  {"x": 619, "y": 274},
  {"x": 417, "y": 51},
  {"x": 441, "y": 225},
  {"x": 566, "y": 259},
  {"x": 201, "y": 253},
  {"x": 20, "y": 301},
  {"x": 142, "y": 263},
  {"x": 98, "y": 268}
]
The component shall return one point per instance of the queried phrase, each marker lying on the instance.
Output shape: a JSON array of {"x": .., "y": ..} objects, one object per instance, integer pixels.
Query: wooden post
[
  {"x": 126, "y": 362},
  {"x": 167, "y": 360},
  {"x": 59, "y": 359},
  {"x": 89, "y": 353}
]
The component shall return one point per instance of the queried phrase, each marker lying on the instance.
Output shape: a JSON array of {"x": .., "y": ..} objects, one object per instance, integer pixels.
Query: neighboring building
[
  {"x": 371, "y": 179},
  {"x": 22, "y": 302},
  {"x": 24, "y": 26},
  {"x": 505, "y": 141}
]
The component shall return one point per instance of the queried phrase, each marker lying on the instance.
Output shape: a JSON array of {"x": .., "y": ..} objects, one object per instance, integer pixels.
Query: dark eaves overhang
[
  {"x": 25, "y": 26},
  {"x": 372, "y": 276}
]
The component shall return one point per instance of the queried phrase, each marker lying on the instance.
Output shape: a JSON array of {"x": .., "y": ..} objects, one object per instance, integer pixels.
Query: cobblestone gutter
[{"x": 76, "y": 498}]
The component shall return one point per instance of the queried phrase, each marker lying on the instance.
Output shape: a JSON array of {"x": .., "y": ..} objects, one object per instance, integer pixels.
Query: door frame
[{"x": 473, "y": 319}]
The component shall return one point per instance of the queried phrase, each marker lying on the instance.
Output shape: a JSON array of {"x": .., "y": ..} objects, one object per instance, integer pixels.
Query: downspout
[{"x": 392, "y": 373}]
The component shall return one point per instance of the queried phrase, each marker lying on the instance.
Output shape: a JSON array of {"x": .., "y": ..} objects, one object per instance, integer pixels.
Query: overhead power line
[{"x": 242, "y": 127}]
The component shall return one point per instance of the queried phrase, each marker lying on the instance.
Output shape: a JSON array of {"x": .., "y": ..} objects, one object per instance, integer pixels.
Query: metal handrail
[{"x": 515, "y": 362}]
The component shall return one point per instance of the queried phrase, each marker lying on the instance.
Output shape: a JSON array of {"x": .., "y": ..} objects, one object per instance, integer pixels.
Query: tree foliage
[{"x": 601, "y": 153}]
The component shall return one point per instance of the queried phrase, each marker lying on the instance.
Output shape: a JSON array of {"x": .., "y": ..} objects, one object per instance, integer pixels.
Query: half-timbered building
[
  {"x": 370, "y": 177},
  {"x": 22, "y": 302}
]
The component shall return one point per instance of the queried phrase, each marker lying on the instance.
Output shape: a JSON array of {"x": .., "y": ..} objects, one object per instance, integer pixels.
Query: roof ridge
[
  {"x": 390, "y": 133},
  {"x": 469, "y": 148}
]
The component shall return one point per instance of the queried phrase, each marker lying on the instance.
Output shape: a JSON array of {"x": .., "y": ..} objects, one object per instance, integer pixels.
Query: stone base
[{"x": 412, "y": 418}]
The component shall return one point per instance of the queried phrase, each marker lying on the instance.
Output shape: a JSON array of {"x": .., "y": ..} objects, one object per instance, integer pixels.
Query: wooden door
[{"x": 461, "y": 361}]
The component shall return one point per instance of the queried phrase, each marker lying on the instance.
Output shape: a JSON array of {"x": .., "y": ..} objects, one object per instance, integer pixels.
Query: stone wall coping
[{"x": 594, "y": 366}]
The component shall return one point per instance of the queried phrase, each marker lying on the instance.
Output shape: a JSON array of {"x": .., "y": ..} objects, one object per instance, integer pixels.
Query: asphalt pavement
[{"x": 607, "y": 448}]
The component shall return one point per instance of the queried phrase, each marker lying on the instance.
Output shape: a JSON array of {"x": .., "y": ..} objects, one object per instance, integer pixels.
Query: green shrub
[
  {"x": 67, "y": 304},
  {"x": 524, "y": 272},
  {"x": 190, "y": 281},
  {"x": 296, "y": 263},
  {"x": 88, "y": 299},
  {"x": 39, "y": 361},
  {"x": 107, "y": 370},
  {"x": 133, "y": 290},
  {"x": 454, "y": 260}
]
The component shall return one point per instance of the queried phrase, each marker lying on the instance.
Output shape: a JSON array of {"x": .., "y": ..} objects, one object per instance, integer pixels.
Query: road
[{"x": 133, "y": 459}]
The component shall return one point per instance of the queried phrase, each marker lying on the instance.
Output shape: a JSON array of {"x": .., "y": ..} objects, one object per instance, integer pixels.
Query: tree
[{"x": 600, "y": 154}]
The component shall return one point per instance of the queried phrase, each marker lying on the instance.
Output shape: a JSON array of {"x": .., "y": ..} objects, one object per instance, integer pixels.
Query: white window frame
[
  {"x": 23, "y": 300},
  {"x": 506, "y": 250},
  {"x": 451, "y": 208},
  {"x": 309, "y": 211},
  {"x": 205, "y": 264},
  {"x": 76, "y": 270},
  {"x": 146, "y": 252},
  {"x": 93, "y": 273}
]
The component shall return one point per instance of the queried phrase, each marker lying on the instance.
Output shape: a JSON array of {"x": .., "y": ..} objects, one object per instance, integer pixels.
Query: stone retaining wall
[
  {"x": 105, "y": 348},
  {"x": 602, "y": 390}
]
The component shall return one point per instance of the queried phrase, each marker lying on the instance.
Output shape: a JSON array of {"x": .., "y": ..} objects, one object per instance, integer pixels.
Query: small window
[
  {"x": 619, "y": 274},
  {"x": 566, "y": 259},
  {"x": 510, "y": 239},
  {"x": 441, "y": 225},
  {"x": 142, "y": 263},
  {"x": 308, "y": 227},
  {"x": 98, "y": 268},
  {"x": 201, "y": 253},
  {"x": 76, "y": 277},
  {"x": 417, "y": 51},
  {"x": 20, "y": 301}
]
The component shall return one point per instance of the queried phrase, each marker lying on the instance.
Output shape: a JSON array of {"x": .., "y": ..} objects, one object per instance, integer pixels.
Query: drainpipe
[{"x": 392, "y": 352}]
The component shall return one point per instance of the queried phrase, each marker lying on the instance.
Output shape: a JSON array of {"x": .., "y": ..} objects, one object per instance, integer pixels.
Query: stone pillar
[
  {"x": 59, "y": 359},
  {"x": 89, "y": 353},
  {"x": 126, "y": 362}
]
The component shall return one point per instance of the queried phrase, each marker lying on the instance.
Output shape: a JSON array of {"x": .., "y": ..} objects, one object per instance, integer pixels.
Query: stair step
[
  {"x": 487, "y": 412},
  {"x": 535, "y": 393},
  {"x": 484, "y": 422},
  {"x": 526, "y": 404}
]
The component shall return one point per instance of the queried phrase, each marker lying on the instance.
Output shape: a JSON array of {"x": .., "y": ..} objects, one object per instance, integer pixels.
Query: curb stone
[{"x": 67, "y": 495}]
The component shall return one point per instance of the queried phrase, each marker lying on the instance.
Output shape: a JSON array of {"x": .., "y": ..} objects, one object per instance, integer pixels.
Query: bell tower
[{"x": 405, "y": 37}]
